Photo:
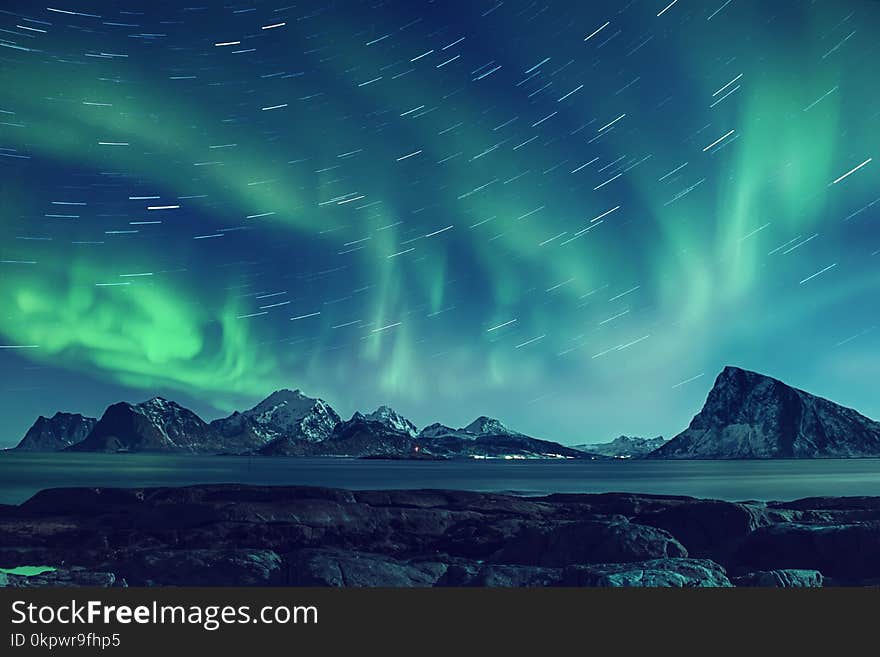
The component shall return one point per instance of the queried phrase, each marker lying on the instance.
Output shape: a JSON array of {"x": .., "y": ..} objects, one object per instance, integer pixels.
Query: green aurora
[{"x": 571, "y": 232}]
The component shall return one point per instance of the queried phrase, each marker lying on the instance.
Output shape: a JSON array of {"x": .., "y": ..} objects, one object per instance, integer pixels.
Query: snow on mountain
[
  {"x": 283, "y": 415},
  {"x": 392, "y": 419}
]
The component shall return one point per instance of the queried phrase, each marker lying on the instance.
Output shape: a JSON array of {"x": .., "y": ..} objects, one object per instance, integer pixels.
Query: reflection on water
[{"x": 23, "y": 474}]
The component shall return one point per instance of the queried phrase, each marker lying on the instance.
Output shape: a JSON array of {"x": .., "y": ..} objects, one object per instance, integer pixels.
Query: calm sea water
[{"x": 22, "y": 475}]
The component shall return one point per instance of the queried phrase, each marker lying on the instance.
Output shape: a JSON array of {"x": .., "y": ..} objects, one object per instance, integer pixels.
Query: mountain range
[
  {"x": 286, "y": 423},
  {"x": 624, "y": 447},
  {"x": 746, "y": 416}
]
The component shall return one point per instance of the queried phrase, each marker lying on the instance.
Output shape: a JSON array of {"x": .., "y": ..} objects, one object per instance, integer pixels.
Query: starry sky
[{"x": 566, "y": 215}]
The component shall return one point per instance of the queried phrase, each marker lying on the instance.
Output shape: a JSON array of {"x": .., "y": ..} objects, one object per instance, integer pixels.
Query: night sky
[{"x": 566, "y": 215}]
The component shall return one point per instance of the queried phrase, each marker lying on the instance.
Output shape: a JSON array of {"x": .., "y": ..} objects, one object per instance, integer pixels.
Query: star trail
[{"x": 566, "y": 215}]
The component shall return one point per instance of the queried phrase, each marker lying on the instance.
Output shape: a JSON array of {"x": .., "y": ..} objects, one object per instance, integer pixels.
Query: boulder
[{"x": 707, "y": 527}]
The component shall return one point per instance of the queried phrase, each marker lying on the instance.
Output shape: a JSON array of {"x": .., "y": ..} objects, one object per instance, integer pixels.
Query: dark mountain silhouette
[
  {"x": 751, "y": 416},
  {"x": 57, "y": 432},
  {"x": 157, "y": 425}
]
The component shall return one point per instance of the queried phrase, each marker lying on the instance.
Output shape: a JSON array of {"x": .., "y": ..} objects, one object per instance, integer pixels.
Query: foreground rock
[
  {"x": 357, "y": 569},
  {"x": 590, "y": 541},
  {"x": 266, "y": 536},
  {"x": 677, "y": 573},
  {"x": 848, "y": 551},
  {"x": 789, "y": 578}
]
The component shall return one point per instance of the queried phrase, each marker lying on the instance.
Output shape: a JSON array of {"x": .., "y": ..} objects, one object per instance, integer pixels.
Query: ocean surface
[{"x": 23, "y": 474}]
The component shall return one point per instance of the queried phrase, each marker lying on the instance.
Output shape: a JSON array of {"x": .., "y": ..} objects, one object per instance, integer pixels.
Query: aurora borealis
[{"x": 570, "y": 216}]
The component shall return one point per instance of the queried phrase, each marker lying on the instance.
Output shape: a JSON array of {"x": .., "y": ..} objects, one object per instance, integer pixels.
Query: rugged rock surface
[
  {"x": 748, "y": 415},
  {"x": 261, "y": 535},
  {"x": 499, "y": 575},
  {"x": 846, "y": 552},
  {"x": 677, "y": 573},
  {"x": 202, "y": 567},
  {"x": 786, "y": 578},
  {"x": 358, "y": 569},
  {"x": 624, "y": 447},
  {"x": 589, "y": 541},
  {"x": 57, "y": 432},
  {"x": 708, "y": 526}
]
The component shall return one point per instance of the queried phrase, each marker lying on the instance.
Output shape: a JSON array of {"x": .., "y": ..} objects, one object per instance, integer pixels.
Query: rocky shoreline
[{"x": 236, "y": 535}]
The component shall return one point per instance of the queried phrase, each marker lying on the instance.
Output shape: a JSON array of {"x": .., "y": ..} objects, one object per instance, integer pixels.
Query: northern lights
[{"x": 568, "y": 217}]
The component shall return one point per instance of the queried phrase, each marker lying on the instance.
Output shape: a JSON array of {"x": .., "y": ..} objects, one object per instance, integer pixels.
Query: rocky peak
[
  {"x": 393, "y": 420},
  {"x": 154, "y": 425},
  {"x": 56, "y": 433},
  {"x": 750, "y": 415}
]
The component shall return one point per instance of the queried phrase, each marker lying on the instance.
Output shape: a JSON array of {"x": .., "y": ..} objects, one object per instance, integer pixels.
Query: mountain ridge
[{"x": 285, "y": 423}]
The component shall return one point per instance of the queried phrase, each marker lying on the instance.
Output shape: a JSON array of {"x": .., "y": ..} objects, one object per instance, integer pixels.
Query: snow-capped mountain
[
  {"x": 285, "y": 415},
  {"x": 749, "y": 415},
  {"x": 156, "y": 425},
  {"x": 58, "y": 432},
  {"x": 393, "y": 420}
]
